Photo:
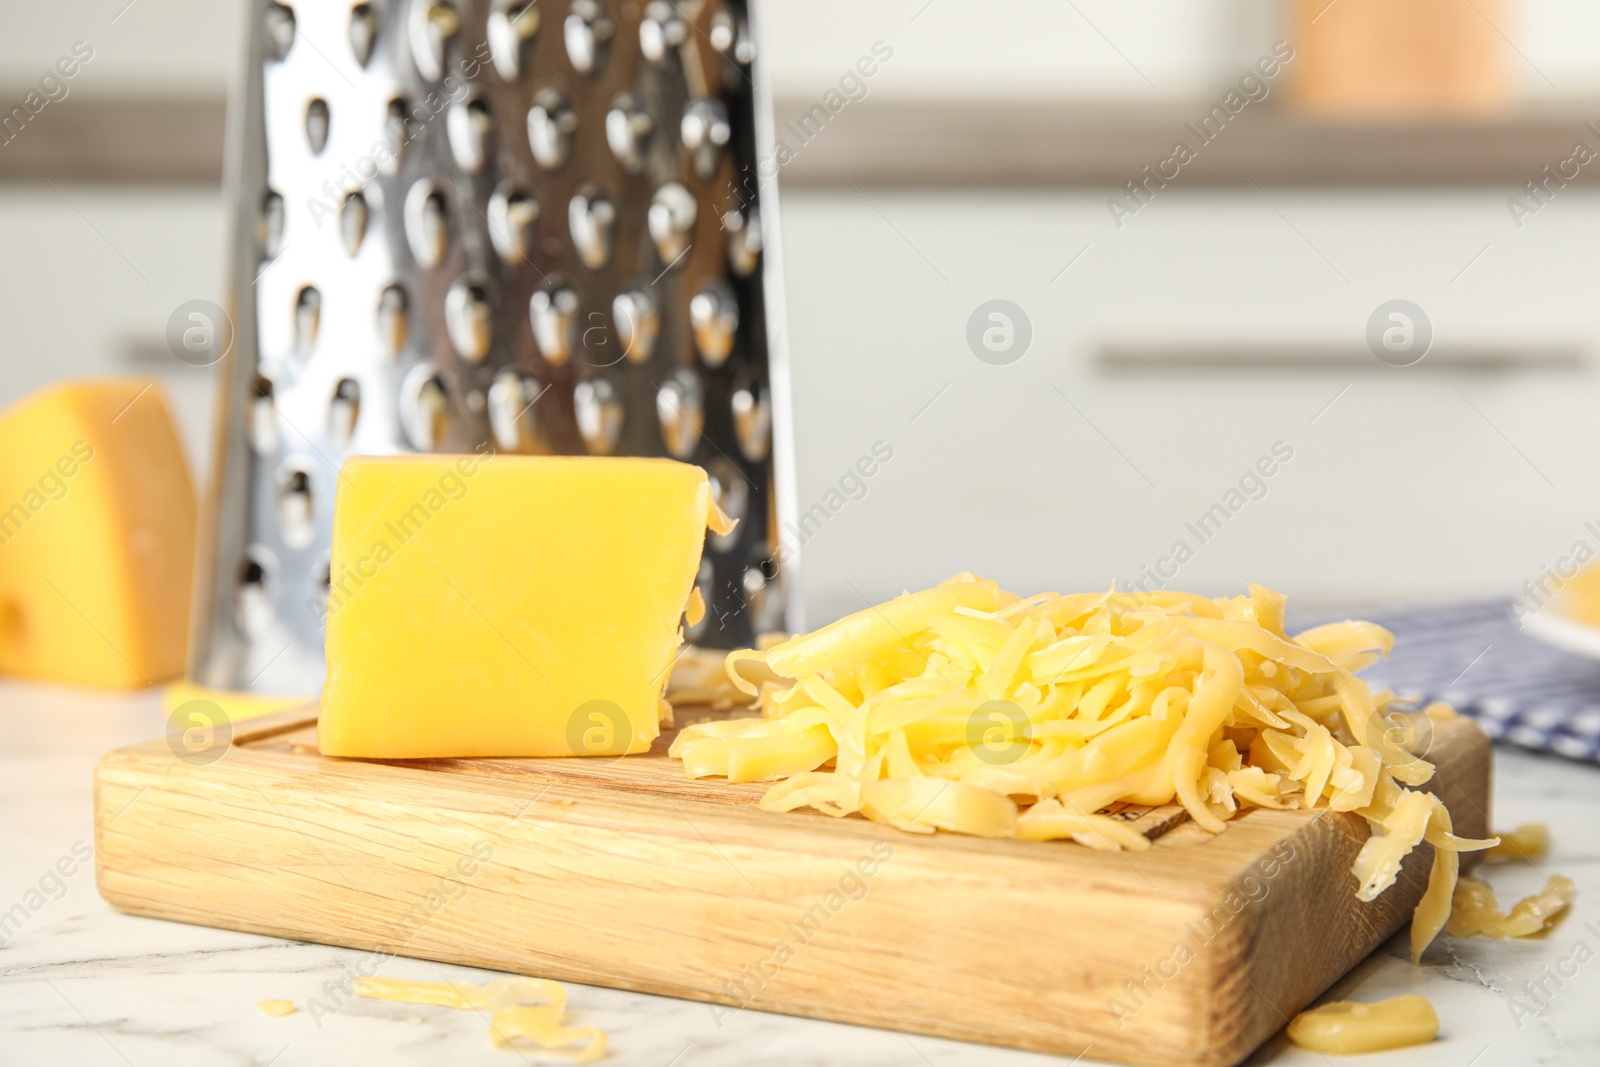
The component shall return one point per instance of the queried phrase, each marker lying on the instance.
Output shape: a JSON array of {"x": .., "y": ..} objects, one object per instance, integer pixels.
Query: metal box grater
[{"x": 537, "y": 226}]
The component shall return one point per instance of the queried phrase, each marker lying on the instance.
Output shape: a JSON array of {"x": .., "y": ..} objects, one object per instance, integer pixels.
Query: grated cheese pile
[{"x": 966, "y": 708}]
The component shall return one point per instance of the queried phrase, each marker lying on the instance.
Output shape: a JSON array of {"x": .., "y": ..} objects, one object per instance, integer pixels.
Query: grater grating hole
[
  {"x": 597, "y": 405},
  {"x": 512, "y": 24},
  {"x": 343, "y": 412},
  {"x": 424, "y": 407},
  {"x": 469, "y": 317},
  {"x": 744, "y": 44},
  {"x": 269, "y": 228},
  {"x": 661, "y": 31},
  {"x": 752, "y": 421},
  {"x": 753, "y": 591},
  {"x": 255, "y": 580},
  {"x": 307, "y": 319},
  {"x": 592, "y": 220},
  {"x": 392, "y": 304},
  {"x": 681, "y": 411},
  {"x": 714, "y": 316},
  {"x": 279, "y": 37},
  {"x": 670, "y": 220},
  {"x": 512, "y": 418},
  {"x": 722, "y": 32},
  {"x": 317, "y": 125},
  {"x": 552, "y": 313},
  {"x": 744, "y": 241},
  {"x": 296, "y": 523},
  {"x": 427, "y": 224},
  {"x": 469, "y": 126},
  {"x": 638, "y": 322},
  {"x": 261, "y": 417},
  {"x": 587, "y": 33},
  {"x": 628, "y": 128},
  {"x": 353, "y": 215},
  {"x": 513, "y": 214},
  {"x": 552, "y": 125},
  {"x": 762, "y": 590},
  {"x": 430, "y": 27},
  {"x": 363, "y": 32},
  {"x": 705, "y": 131},
  {"x": 395, "y": 135}
]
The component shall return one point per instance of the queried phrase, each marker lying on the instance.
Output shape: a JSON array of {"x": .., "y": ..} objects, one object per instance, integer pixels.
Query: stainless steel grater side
[{"x": 541, "y": 227}]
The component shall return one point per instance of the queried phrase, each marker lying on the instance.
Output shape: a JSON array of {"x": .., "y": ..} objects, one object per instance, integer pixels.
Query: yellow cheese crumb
[
  {"x": 1344, "y": 1027},
  {"x": 276, "y": 1007},
  {"x": 528, "y": 1013}
]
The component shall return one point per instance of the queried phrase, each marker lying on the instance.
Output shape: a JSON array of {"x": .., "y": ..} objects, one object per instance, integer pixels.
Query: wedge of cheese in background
[
  {"x": 97, "y": 537},
  {"x": 506, "y": 605}
]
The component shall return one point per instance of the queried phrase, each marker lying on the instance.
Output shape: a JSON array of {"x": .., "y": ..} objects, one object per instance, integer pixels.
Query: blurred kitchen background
[{"x": 1175, "y": 340}]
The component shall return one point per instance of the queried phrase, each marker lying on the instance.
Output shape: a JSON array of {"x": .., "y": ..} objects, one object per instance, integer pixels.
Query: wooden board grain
[{"x": 623, "y": 873}]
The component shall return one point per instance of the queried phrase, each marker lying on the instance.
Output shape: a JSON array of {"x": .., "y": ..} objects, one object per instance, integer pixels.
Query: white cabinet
[{"x": 1058, "y": 471}]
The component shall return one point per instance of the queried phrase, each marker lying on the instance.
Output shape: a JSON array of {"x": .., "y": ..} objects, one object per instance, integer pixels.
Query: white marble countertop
[{"x": 83, "y": 984}]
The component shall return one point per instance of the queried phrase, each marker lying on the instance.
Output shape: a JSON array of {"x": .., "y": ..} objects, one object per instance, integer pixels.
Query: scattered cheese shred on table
[
  {"x": 969, "y": 709},
  {"x": 1476, "y": 913},
  {"x": 278, "y": 1008},
  {"x": 527, "y": 1012},
  {"x": 1345, "y": 1027},
  {"x": 1530, "y": 841}
]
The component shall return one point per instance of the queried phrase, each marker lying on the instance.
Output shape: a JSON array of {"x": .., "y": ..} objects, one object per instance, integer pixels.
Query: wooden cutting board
[{"x": 623, "y": 873}]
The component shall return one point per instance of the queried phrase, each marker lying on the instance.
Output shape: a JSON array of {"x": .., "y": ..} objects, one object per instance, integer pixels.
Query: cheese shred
[
  {"x": 1476, "y": 913},
  {"x": 527, "y": 1014},
  {"x": 1345, "y": 1028},
  {"x": 965, "y": 708},
  {"x": 1526, "y": 843}
]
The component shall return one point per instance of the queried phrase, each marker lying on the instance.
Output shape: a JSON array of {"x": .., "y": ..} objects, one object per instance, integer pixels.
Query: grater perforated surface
[{"x": 536, "y": 227}]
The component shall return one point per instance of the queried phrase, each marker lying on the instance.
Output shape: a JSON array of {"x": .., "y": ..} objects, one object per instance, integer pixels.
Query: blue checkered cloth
[{"x": 1474, "y": 656}]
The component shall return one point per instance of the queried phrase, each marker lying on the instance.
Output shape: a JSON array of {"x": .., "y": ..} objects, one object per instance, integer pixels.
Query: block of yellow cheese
[
  {"x": 97, "y": 535},
  {"x": 494, "y": 605}
]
